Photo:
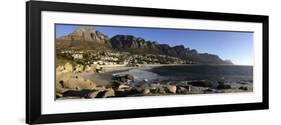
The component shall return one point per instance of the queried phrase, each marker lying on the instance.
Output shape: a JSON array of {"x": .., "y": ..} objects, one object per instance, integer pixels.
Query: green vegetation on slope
[{"x": 61, "y": 61}]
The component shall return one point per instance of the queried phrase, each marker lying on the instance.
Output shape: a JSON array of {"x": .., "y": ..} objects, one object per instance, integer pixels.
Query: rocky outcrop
[
  {"x": 69, "y": 83},
  {"x": 146, "y": 91},
  {"x": 222, "y": 85},
  {"x": 92, "y": 68},
  {"x": 75, "y": 82},
  {"x": 123, "y": 78},
  {"x": 75, "y": 93},
  {"x": 64, "y": 68},
  {"x": 93, "y": 94},
  {"x": 245, "y": 88},
  {"x": 183, "y": 89},
  {"x": 79, "y": 68},
  {"x": 108, "y": 93},
  {"x": 172, "y": 89}
]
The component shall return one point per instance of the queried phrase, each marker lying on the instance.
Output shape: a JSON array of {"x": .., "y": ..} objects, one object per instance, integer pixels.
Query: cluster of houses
[{"x": 88, "y": 57}]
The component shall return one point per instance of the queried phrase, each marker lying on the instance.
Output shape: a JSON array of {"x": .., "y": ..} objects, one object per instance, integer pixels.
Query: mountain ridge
[{"x": 88, "y": 38}]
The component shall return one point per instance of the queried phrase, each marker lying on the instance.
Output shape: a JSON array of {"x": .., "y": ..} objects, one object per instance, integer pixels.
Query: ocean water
[{"x": 231, "y": 73}]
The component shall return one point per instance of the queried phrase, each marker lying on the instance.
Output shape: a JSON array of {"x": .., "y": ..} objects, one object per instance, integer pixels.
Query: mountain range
[{"x": 86, "y": 38}]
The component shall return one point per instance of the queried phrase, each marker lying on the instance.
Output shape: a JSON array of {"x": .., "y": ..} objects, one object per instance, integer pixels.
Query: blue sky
[{"x": 236, "y": 46}]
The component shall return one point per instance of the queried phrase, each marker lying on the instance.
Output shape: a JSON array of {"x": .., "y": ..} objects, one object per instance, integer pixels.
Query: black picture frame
[{"x": 33, "y": 61}]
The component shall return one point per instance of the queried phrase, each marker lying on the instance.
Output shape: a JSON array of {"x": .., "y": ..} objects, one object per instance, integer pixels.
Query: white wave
[{"x": 141, "y": 75}]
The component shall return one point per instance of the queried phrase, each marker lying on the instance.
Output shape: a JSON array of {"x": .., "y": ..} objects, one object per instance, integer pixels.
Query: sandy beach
[
  {"x": 105, "y": 78},
  {"x": 141, "y": 66}
]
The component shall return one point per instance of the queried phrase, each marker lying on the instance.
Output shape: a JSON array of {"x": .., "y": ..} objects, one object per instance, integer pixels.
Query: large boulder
[
  {"x": 88, "y": 68},
  {"x": 172, "y": 89},
  {"x": 123, "y": 78},
  {"x": 60, "y": 88},
  {"x": 116, "y": 83},
  {"x": 59, "y": 95},
  {"x": 64, "y": 68},
  {"x": 100, "y": 87},
  {"x": 182, "y": 90},
  {"x": 141, "y": 87},
  {"x": 60, "y": 79},
  {"x": 207, "y": 91},
  {"x": 122, "y": 86},
  {"x": 160, "y": 90},
  {"x": 99, "y": 69},
  {"x": 223, "y": 86},
  {"x": 59, "y": 69},
  {"x": 245, "y": 88},
  {"x": 77, "y": 93},
  {"x": 146, "y": 91},
  {"x": 78, "y": 83},
  {"x": 129, "y": 77},
  {"x": 79, "y": 68},
  {"x": 94, "y": 94},
  {"x": 135, "y": 91},
  {"x": 68, "y": 67},
  {"x": 106, "y": 93},
  {"x": 94, "y": 67}
]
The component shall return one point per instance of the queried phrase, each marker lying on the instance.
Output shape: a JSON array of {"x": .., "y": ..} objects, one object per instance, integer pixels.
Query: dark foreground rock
[
  {"x": 223, "y": 86},
  {"x": 183, "y": 89},
  {"x": 245, "y": 88},
  {"x": 202, "y": 83},
  {"x": 105, "y": 94},
  {"x": 73, "y": 93},
  {"x": 123, "y": 78}
]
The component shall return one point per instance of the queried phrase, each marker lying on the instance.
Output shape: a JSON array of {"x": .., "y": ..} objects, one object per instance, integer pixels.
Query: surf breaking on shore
[{"x": 140, "y": 75}]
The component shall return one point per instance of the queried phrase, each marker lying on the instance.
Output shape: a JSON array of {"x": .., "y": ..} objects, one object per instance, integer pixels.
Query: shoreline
[
  {"x": 147, "y": 68},
  {"x": 123, "y": 81},
  {"x": 123, "y": 67},
  {"x": 124, "y": 88}
]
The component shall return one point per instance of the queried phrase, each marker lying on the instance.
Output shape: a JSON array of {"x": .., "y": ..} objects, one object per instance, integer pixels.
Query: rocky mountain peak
[
  {"x": 84, "y": 29},
  {"x": 180, "y": 47},
  {"x": 85, "y": 34}
]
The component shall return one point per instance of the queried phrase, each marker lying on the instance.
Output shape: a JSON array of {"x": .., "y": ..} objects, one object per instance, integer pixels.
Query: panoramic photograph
[{"x": 112, "y": 61}]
